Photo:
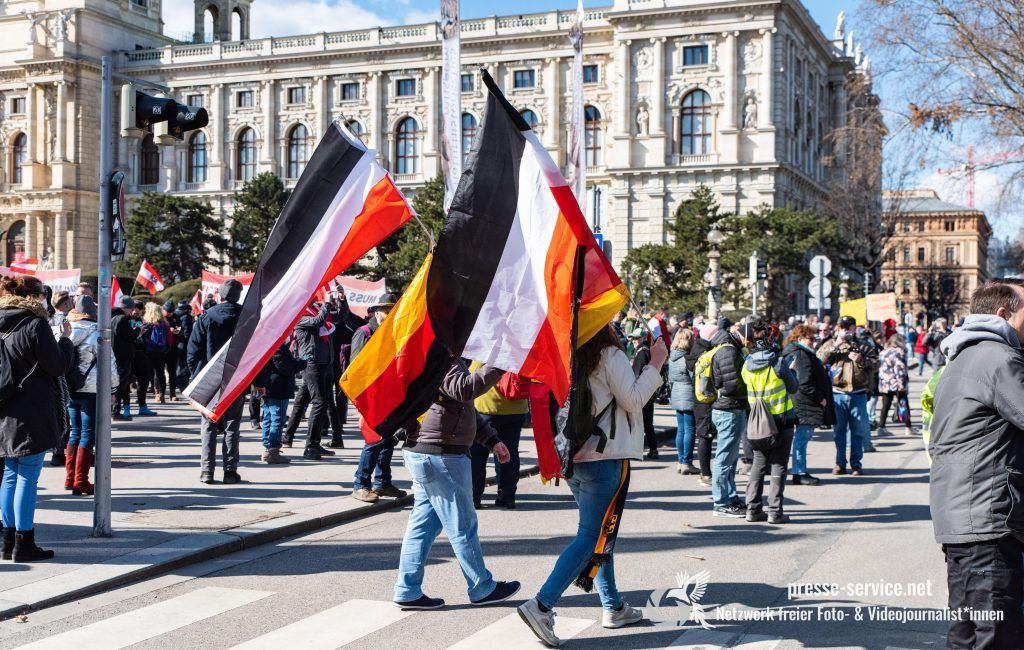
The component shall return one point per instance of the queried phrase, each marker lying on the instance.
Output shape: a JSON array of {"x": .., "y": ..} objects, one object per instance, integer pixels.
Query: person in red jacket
[{"x": 921, "y": 349}]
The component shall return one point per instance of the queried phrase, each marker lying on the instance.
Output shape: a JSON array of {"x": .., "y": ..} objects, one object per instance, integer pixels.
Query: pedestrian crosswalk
[{"x": 347, "y": 623}]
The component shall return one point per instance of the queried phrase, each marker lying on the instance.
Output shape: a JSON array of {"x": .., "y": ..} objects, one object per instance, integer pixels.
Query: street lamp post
[
  {"x": 844, "y": 286},
  {"x": 715, "y": 238}
]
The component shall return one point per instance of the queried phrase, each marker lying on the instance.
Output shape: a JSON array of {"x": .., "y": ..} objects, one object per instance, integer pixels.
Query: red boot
[
  {"x": 83, "y": 464},
  {"x": 69, "y": 466}
]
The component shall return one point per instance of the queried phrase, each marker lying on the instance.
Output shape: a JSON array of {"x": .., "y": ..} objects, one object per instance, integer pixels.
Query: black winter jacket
[
  {"x": 123, "y": 336},
  {"x": 30, "y": 422},
  {"x": 451, "y": 425},
  {"x": 815, "y": 386},
  {"x": 701, "y": 411},
  {"x": 360, "y": 337},
  {"x": 726, "y": 367},
  {"x": 186, "y": 321},
  {"x": 211, "y": 332},
  {"x": 278, "y": 376},
  {"x": 310, "y": 346}
]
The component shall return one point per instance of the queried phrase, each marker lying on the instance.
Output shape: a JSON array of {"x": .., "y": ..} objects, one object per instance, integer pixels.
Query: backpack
[
  {"x": 8, "y": 386},
  {"x": 75, "y": 379},
  {"x": 703, "y": 376},
  {"x": 762, "y": 432},
  {"x": 157, "y": 339},
  {"x": 585, "y": 424},
  {"x": 514, "y": 387}
]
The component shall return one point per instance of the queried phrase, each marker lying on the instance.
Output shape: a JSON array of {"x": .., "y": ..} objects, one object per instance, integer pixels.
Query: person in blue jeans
[
  {"x": 812, "y": 400},
  {"x": 683, "y": 400},
  {"x": 275, "y": 385},
  {"x": 437, "y": 456},
  {"x": 30, "y": 419},
  {"x": 729, "y": 417},
  {"x": 600, "y": 482}
]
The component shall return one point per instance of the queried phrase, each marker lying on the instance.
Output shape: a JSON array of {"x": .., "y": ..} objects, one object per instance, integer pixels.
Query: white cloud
[{"x": 286, "y": 17}]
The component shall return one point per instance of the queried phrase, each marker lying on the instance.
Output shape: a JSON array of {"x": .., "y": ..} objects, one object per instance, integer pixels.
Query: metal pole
[
  {"x": 821, "y": 287},
  {"x": 102, "y": 509}
]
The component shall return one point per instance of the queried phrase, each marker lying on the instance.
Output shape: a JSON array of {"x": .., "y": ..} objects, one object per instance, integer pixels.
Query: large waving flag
[
  {"x": 498, "y": 288},
  {"x": 149, "y": 278},
  {"x": 343, "y": 205}
]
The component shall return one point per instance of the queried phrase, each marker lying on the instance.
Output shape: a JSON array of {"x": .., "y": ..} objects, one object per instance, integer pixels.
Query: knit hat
[
  {"x": 126, "y": 302},
  {"x": 231, "y": 290},
  {"x": 708, "y": 331},
  {"x": 169, "y": 305},
  {"x": 87, "y": 306},
  {"x": 724, "y": 323}
]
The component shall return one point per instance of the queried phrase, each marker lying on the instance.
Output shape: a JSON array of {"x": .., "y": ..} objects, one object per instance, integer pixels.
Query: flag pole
[{"x": 579, "y": 275}]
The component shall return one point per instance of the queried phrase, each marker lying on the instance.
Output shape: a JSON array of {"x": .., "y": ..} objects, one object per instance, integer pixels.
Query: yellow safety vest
[{"x": 765, "y": 384}]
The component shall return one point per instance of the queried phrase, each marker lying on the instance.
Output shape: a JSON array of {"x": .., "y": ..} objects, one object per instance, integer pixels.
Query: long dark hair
[{"x": 590, "y": 354}]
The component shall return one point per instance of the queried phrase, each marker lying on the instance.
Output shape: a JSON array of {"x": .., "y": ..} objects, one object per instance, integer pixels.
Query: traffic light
[
  {"x": 762, "y": 269},
  {"x": 758, "y": 269},
  {"x": 140, "y": 111},
  {"x": 183, "y": 118}
]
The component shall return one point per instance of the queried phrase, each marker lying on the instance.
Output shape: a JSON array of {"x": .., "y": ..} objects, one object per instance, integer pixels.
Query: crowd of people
[{"x": 748, "y": 397}]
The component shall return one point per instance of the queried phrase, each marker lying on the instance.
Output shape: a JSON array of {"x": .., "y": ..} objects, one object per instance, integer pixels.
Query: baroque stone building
[{"x": 739, "y": 95}]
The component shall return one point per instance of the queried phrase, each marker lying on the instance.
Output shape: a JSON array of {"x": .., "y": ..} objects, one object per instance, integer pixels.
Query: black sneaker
[
  {"x": 118, "y": 417},
  {"x": 778, "y": 519},
  {"x": 731, "y": 510},
  {"x": 207, "y": 477},
  {"x": 311, "y": 453},
  {"x": 231, "y": 478},
  {"x": 507, "y": 505},
  {"x": 805, "y": 479},
  {"x": 756, "y": 515},
  {"x": 336, "y": 444},
  {"x": 423, "y": 602},
  {"x": 324, "y": 451},
  {"x": 503, "y": 591}
]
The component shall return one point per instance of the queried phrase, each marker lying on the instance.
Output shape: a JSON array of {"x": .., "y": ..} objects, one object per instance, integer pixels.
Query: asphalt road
[{"x": 869, "y": 536}]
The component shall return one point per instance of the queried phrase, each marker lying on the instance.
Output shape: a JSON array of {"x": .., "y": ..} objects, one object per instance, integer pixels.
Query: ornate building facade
[{"x": 737, "y": 95}]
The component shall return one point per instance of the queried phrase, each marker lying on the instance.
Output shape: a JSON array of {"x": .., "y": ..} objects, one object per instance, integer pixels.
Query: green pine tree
[
  {"x": 178, "y": 235},
  {"x": 673, "y": 274},
  {"x": 258, "y": 205}
]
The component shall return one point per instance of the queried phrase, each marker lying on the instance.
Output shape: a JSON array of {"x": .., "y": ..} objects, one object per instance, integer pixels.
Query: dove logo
[{"x": 681, "y": 604}]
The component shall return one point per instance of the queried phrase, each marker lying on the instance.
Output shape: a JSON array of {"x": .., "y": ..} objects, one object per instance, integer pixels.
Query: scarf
[{"x": 609, "y": 533}]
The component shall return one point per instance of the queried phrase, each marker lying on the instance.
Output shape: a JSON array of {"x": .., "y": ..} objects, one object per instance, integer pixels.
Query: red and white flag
[
  {"x": 27, "y": 266},
  {"x": 197, "y": 303},
  {"x": 115, "y": 293},
  {"x": 149, "y": 278}
]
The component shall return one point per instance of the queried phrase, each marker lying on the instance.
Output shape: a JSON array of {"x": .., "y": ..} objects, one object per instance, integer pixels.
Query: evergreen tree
[
  {"x": 400, "y": 256},
  {"x": 673, "y": 274},
  {"x": 258, "y": 205},
  {"x": 178, "y": 235}
]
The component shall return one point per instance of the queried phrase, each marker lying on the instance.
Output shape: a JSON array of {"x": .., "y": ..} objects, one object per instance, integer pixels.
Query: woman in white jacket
[
  {"x": 599, "y": 482},
  {"x": 82, "y": 409}
]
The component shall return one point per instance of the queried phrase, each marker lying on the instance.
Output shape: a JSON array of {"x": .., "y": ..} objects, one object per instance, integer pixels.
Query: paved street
[{"x": 331, "y": 588}]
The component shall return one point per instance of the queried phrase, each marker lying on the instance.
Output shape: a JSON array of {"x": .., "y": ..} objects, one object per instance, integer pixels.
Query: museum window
[
  {"x": 695, "y": 55},
  {"x": 244, "y": 99},
  {"x": 149, "y": 161},
  {"x": 949, "y": 226},
  {"x": 592, "y": 136},
  {"x": 298, "y": 151},
  {"x": 407, "y": 159},
  {"x": 920, "y": 254},
  {"x": 696, "y": 124},
  {"x": 405, "y": 87},
  {"x": 196, "y": 172},
  {"x": 906, "y": 286},
  {"x": 591, "y": 74},
  {"x": 468, "y": 83},
  {"x": 524, "y": 79},
  {"x": 350, "y": 92},
  {"x": 530, "y": 117},
  {"x": 356, "y": 128},
  {"x": 17, "y": 105},
  {"x": 246, "y": 156},
  {"x": 194, "y": 100},
  {"x": 19, "y": 154},
  {"x": 950, "y": 255},
  {"x": 469, "y": 128},
  {"x": 906, "y": 254},
  {"x": 297, "y": 95}
]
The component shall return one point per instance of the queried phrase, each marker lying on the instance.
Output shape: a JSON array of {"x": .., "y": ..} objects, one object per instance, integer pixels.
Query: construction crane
[{"x": 968, "y": 169}]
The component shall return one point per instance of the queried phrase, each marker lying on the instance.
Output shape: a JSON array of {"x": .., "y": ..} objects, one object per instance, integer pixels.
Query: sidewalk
[{"x": 164, "y": 518}]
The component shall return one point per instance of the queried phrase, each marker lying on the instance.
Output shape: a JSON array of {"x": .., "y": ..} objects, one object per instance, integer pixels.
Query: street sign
[
  {"x": 812, "y": 304},
  {"x": 820, "y": 288},
  {"x": 600, "y": 240},
  {"x": 820, "y": 264}
]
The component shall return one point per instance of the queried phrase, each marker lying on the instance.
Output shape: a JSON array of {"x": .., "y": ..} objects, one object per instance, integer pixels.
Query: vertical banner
[
  {"x": 451, "y": 99},
  {"x": 578, "y": 181}
]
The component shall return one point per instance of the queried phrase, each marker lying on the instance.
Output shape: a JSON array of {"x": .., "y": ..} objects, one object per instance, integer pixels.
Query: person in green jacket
[{"x": 928, "y": 409}]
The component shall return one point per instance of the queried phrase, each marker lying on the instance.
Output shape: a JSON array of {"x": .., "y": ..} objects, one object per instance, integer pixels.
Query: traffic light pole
[{"x": 102, "y": 505}]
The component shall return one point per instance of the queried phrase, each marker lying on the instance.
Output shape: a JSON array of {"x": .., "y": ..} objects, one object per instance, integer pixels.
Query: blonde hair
[
  {"x": 683, "y": 340},
  {"x": 154, "y": 314}
]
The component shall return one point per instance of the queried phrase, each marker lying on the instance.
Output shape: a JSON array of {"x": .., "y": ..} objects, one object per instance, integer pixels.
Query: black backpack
[
  {"x": 75, "y": 378},
  {"x": 8, "y": 385}
]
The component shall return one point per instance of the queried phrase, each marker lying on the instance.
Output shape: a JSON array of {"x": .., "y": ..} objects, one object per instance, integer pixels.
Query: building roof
[{"x": 921, "y": 201}]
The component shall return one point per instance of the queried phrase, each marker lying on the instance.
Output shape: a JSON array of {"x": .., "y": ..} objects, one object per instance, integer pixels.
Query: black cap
[
  {"x": 724, "y": 323},
  {"x": 847, "y": 321},
  {"x": 230, "y": 290}
]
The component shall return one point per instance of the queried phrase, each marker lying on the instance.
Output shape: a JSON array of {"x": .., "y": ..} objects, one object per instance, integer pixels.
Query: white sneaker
[
  {"x": 542, "y": 623},
  {"x": 625, "y": 616}
]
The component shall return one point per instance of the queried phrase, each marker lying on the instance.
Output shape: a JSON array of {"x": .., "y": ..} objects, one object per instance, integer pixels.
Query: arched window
[
  {"x": 407, "y": 159},
  {"x": 298, "y": 150},
  {"x": 357, "y": 129},
  {"x": 530, "y": 117},
  {"x": 19, "y": 154},
  {"x": 236, "y": 25},
  {"x": 696, "y": 124},
  {"x": 210, "y": 24},
  {"x": 15, "y": 242},
  {"x": 246, "y": 157},
  {"x": 592, "y": 136},
  {"x": 469, "y": 128},
  {"x": 149, "y": 161},
  {"x": 196, "y": 172}
]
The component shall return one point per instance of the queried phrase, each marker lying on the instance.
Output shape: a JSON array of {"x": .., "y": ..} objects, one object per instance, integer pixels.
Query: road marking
[
  {"x": 149, "y": 622},
  {"x": 712, "y": 640},
  {"x": 331, "y": 628},
  {"x": 511, "y": 633}
]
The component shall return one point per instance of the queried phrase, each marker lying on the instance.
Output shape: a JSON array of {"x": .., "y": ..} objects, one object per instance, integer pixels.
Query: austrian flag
[{"x": 149, "y": 278}]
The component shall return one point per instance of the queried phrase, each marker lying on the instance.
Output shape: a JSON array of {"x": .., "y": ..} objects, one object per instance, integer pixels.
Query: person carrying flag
[{"x": 313, "y": 342}]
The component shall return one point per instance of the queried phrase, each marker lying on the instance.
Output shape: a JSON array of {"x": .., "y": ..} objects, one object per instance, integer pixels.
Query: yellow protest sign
[{"x": 855, "y": 308}]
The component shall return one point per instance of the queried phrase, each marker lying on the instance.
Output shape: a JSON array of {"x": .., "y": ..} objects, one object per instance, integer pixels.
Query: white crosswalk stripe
[
  {"x": 150, "y": 622},
  {"x": 716, "y": 640},
  {"x": 510, "y": 633},
  {"x": 331, "y": 628}
]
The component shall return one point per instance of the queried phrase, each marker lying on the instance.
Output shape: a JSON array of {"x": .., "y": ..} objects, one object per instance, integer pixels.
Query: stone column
[
  {"x": 554, "y": 126},
  {"x": 433, "y": 96},
  {"x": 658, "y": 89},
  {"x": 30, "y": 113},
  {"x": 61, "y": 119},
  {"x": 30, "y": 234},
  {"x": 373, "y": 140},
  {"x": 626, "y": 90},
  {"x": 323, "y": 113},
  {"x": 729, "y": 68},
  {"x": 215, "y": 177},
  {"x": 60, "y": 230},
  {"x": 269, "y": 128},
  {"x": 40, "y": 236},
  {"x": 765, "y": 119}
]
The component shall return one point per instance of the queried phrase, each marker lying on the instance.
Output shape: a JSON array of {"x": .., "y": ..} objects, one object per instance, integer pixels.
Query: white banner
[
  {"x": 361, "y": 294},
  {"x": 451, "y": 99},
  {"x": 577, "y": 181},
  {"x": 56, "y": 279},
  {"x": 212, "y": 282}
]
